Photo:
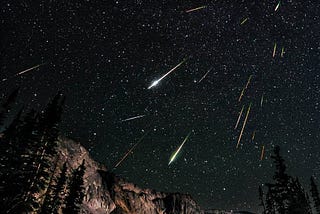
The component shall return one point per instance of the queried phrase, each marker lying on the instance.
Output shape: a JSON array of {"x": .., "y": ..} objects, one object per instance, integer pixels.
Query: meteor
[
  {"x": 277, "y": 7},
  {"x": 262, "y": 153},
  {"x": 156, "y": 82},
  {"x": 204, "y": 76},
  {"x": 244, "y": 21},
  {"x": 274, "y": 49},
  {"x": 133, "y": 118},
  {"x": 174, "y": 155},
  {"x": 24, "y": 71},
  {"x": 240, "y": 114},
  {"x": 242, "y": 93},
  {"x": 282, "y": 52},
  {"x": 130, "y": 150},
  {"x": 253, "y": 135},
  {"x": 243, "y": 90},
  {"x": 261, "y": 101},
  {"x": 29, "y": 69},
  {"x": 244, "y": 124},
  {"x": 194, "y": 9}
]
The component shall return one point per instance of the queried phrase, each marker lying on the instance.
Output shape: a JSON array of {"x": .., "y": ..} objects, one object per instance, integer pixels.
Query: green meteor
[{"x": 174, "y": 155}]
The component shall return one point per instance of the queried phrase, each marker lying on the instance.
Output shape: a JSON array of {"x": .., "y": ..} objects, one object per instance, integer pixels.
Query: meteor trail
[
  {"x": 277, "y": 7},
  {"x": 253, "y": 135},
  {"x": 240, "y": 114},
  {"x": 243, "y": 90},
  {"x": 282, "y": 52},
  {"x": 261, "y": 101},
  {"x": 133, "y": 118},
  {"x": 262, "y": 153},
  {"x": 154, "y": 83},
  {"x": 24, "y": 71},
  {"x": 244, "y": 21},
  {"x": 173, "y": 157},
  {"x": 204, "y": 76},
  {"x": 29, "y": 69},
  {"x": 130, "y": 150},
  {"x": 194, "y": 9},
  {"x": 274, "y": 49},
  {"x": 244, "y": 124}
]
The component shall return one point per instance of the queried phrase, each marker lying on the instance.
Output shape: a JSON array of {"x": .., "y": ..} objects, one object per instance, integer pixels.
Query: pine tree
[
  {"x": 47, "y": 130},
  {"x": 286, "y": 195},
  {"x": 10, "y": 162},
  {"x": 23, "y": 164},
  {"x": 26, "y": 166},
  {"x": 54, "y": 195},
  {"x": 298, "y": 202},
  {"x": 47, "y": 205},
  {"x": 58, "y": 193},
  {"x": 75, "y": 191},
  {"x": 12, "y": 130},
  {"x": 6, "y": 106},
  {"x": 269, "y": 202},
  {"x": 261, "y": 199},
  {"x": 279, "y": 189},
  {"x": 315, "y": 195}
]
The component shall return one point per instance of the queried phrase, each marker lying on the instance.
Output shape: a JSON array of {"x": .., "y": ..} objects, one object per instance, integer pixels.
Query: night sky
[{"x": 105, "y": 54}]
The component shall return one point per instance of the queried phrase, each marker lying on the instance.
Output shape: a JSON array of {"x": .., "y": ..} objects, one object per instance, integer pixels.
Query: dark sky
[{"x": 104, "y": 54}]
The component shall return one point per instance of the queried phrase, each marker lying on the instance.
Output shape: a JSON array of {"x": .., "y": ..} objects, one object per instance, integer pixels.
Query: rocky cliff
[{"x": 107, "y": 193}]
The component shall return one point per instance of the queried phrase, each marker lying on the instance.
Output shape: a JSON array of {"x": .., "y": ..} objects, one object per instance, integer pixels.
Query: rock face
[{"x": 107, "y": 193}]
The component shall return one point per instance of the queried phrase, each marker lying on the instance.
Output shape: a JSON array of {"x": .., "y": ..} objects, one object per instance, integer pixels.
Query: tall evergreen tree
[
  {"x": 286, "y": 195},
  {"x": 23, "y": 163},
  {"x": 47, "y": 204},
  {"x": 10, "y": 162},
  {"x": 28, "y": 146},
  {"x": 75, "y": 191},
  {"x": 298, "y": 202},
  {"x": 6, "y": 106},
  {"x": 269, "y": 209},
  {"x": 279, "y": 190},
  {"x": 55, "y": 193},
  {"x": 59, "y": 193},
  {"x": 48, "y": 133},
  {"x": 261, "y": 199},
  {"x": 315, "y": 195}
]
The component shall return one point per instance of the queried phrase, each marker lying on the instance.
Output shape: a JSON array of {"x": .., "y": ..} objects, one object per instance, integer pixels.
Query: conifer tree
[
  {"x": 279, "y": 190},
  {"x": 286, "y": 195},
  {"x": 269, "y": 203},
  {"x": 315, "y": 195},
  {"x": 298, "y": 202},
  {"x": 75, "y": 191},
  {"x": 261, "y": 199},
  {"x": 6, "y": 106},
  {"x": 9, "y": 163},
  {"x": 28, "y": 146},
  {"x": 23, "y": 164},
  {"x": 55, "y": 193},
  {"x": 58, "y": 193},
  {"x": 48, "y": 134}
]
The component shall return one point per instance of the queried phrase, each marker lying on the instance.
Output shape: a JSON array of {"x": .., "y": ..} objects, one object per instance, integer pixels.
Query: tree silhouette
[
  {"x": 6, "y": 106},
  {"x": 75, "y": 191},
  {"x": 58, "y": 193},
  {"x": 28, "y": 148},
  {"x": 286, "y": 195},
  {"x": 11, "y": 164},
  {"x": 269, "y": 209},
  {"x": 261, "y": 199},
  {"x": 47, "y": 130},
  {"x": 55, "y": 193},
  {"x": 315, "y": 195}
]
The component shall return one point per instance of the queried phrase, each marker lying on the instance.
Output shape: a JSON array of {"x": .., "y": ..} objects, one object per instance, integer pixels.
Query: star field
[{"x": 104, "y": 54}]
